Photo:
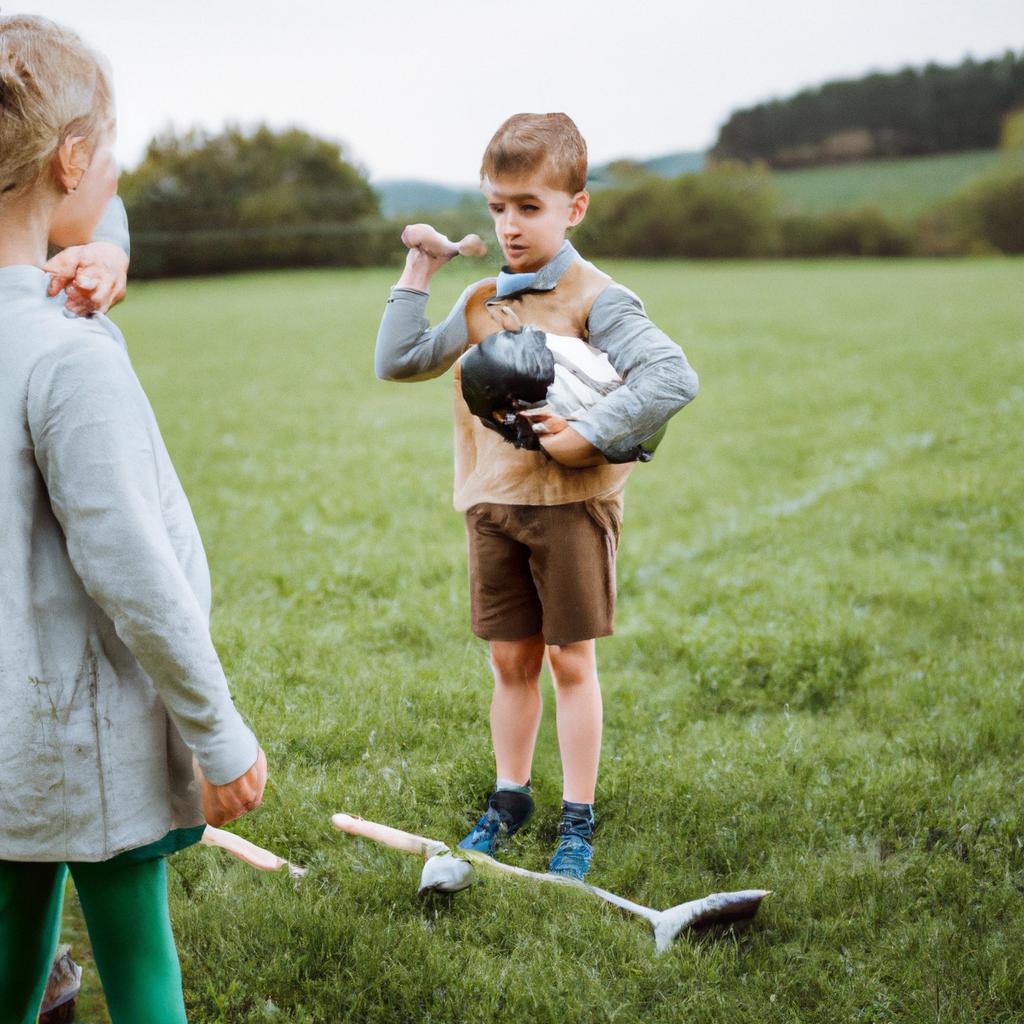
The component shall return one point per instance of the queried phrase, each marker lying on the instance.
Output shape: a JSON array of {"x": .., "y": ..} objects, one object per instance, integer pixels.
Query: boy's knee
[
  {"x": 573, "y": 663},
  {"x": 517, "y": 661}
]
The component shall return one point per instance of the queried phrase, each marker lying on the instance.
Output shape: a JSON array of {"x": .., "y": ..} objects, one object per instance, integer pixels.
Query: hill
[
  {"x": 901, "y": 188},
  {"x": 409, "y": 195}
]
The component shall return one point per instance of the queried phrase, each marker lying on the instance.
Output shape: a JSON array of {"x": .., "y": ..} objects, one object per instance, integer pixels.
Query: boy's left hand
[
  {"x": 95, "y": 276},
  {"x": 562, "y": 443},
  {"x": 544, "y": 422}
]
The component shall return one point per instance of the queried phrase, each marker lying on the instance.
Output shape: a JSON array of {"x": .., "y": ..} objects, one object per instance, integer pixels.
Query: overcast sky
[{"x": 415, "y": 89}]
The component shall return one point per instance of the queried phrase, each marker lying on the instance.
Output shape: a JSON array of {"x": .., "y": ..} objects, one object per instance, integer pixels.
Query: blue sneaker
[
  {"x": 507, "y": 812},
  {"x": 572, "y": 857}
]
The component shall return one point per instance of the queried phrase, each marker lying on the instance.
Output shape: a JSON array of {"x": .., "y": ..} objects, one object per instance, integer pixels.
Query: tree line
[
  {"x": 915, "y": 111},
  {"x": 202, "y": 204},
  {"x": 732, "y": 211}
]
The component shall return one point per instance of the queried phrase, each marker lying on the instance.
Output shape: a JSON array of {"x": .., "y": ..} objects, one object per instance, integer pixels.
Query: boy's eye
[
  {"x": 495, "y": 208},
  {"x": 529, "y": 208}
]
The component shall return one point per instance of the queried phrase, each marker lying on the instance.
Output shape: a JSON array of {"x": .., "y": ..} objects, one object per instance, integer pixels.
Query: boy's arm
[
  {"x": 93, "y": 272},
  {"x": 408, "y": 348},
  {"x": 657, "y": 379},
  {"x": 91, "y": 427}
]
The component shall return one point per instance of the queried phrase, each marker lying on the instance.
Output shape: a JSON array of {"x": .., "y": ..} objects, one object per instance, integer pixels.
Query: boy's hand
[
  {"x": 562, "y": 443},
  {"x": 428, "y": 253},
  {"x": 222, "y": 804},
  {"x": 95, "y": 276},
  {"x": 543, "y": 421}
]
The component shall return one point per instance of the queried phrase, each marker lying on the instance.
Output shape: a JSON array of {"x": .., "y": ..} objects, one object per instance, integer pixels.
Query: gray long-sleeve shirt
[
  {"x": 108, "y": 677},
  {"x": 658, "y": 379}
]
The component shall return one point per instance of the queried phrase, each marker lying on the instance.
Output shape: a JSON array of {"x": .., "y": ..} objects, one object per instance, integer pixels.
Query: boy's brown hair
[{"x": 527, "y": 142}]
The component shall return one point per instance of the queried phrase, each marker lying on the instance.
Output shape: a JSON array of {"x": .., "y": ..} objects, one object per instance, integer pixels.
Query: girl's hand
[
  {"x": 222, "y": 804},
  {"x": 95, "y": 276}
]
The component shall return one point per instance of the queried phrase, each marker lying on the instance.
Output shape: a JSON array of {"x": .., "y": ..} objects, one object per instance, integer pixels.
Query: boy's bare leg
[
  {"x": 516, "y": 705},
  {"x": 578, "y": 716}
]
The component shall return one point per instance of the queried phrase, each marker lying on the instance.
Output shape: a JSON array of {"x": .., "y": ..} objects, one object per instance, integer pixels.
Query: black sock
[{"x": 517, "y": 807}]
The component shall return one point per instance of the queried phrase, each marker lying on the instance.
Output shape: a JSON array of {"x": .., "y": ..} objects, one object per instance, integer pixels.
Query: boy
[{"x": 543, "y": 526}]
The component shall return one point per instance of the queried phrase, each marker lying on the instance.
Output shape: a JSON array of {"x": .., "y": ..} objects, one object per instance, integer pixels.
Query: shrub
[
  {"x": 986, "y": 216},
  {"x": 726, "y": 211},
  {"x": 863, "y": 232}
]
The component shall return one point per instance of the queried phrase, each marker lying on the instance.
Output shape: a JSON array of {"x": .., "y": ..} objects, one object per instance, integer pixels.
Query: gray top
[
  {"x": 109, "y": 681},
  {"x": 658, "y": 380}
]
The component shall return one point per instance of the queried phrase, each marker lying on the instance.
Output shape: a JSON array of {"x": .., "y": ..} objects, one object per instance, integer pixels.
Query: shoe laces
[{"x": 572, "y": 856}]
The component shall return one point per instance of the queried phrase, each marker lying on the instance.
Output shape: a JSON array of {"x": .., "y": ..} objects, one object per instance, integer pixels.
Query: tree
[
  {"x": 201, "y": 202},
  {"x": 238, "y": 179},
  {"x": 933, "y": 109}
]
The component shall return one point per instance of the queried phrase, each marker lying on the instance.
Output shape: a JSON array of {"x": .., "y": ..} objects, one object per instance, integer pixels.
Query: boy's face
[{"x": 530, "y": 217}]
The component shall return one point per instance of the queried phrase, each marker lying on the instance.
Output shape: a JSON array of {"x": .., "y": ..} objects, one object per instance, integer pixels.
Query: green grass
[
  {"x": 902, "y": 188},
  {"x": 815, "y": 686}
]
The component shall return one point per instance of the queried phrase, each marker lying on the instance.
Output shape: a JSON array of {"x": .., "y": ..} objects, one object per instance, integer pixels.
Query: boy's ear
[
  {"x": 70, "y": 162},
  {"x": 578, "y": 208}
]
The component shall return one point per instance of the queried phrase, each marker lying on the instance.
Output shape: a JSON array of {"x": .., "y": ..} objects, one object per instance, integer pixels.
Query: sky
[{"x": 415, "y": 90}]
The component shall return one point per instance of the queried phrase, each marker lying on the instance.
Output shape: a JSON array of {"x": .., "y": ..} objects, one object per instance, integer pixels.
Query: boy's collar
[{"x": 543, "y": 280}]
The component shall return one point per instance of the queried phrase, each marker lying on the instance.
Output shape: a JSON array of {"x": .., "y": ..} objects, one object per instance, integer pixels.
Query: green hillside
[{"x": 902, "y": 188}]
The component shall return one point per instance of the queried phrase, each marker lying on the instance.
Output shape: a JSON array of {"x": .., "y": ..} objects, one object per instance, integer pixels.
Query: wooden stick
[
  {"x": 388, "y": 836},
  {"x": 253, "y": 855}
]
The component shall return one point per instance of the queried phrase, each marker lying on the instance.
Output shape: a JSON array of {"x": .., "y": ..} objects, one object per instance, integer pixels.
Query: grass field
[
  {"x": 900, "y": 188},
  {"x": 815, "y": 686}
]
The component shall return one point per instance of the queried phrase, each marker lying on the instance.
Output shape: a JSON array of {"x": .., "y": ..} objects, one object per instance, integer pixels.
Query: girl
[{"x": 109, "y": 682}]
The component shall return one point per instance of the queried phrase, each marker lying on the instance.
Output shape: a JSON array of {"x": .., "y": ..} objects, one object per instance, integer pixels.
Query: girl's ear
[
  {"x": 70, "y": 162},
  {"x": 578, "y": 208}
]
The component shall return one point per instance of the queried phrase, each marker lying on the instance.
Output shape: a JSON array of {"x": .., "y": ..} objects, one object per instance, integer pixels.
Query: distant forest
[{"x": 911, "y": 112}]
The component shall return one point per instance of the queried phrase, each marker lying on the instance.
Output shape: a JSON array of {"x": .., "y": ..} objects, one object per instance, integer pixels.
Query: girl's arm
[
  {"x": 99, "y": 452},
  {"x": 93, "y": 272}
]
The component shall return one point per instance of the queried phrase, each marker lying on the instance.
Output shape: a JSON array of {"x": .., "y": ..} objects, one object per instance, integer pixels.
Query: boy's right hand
[
  {"x": 222, "y": 804},
  {"x": 429, "y": 251}
]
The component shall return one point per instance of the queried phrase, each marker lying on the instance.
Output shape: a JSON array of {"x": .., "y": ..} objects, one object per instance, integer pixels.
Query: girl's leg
[
  {"x": 516, "y": 705},
  {"x": 578, "y": 717},
  {"x": 31, "y": 897},
  {"x": 125, "y": 908}
]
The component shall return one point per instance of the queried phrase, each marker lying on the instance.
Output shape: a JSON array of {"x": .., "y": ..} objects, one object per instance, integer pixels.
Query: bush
[
  {"x": 992, "y": 210},
  {"x": 727, "y": 211},
  {"x": 864, "y": 232},
  {"x": 986, "y": 216}
]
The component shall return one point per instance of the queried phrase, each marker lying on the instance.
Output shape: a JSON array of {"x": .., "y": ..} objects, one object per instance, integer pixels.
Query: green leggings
[{"x": 125, "y": 908}]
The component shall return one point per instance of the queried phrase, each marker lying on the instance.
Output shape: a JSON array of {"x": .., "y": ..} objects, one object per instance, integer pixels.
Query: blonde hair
[
  {"x": 52, "y": 86},
  {"x": 529, "y": 142}
]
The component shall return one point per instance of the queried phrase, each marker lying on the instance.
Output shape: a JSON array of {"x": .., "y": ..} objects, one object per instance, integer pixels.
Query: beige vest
[{"x": 488, "y": 468}]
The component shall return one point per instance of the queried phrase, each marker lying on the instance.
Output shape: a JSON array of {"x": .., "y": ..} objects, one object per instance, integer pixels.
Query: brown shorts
[{"x": 543, "y": 569}]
